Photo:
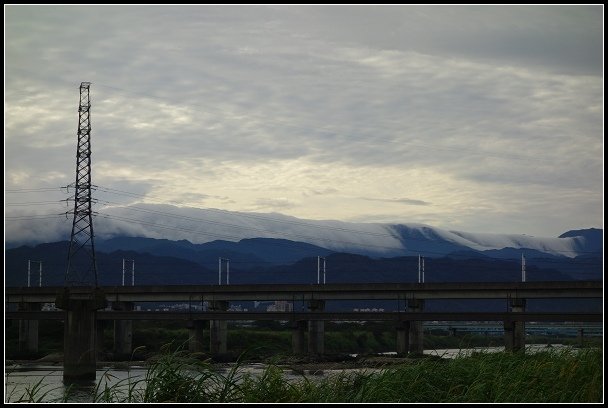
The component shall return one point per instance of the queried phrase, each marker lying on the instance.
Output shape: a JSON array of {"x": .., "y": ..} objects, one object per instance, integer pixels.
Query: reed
[{"x": 553, "y": 376}]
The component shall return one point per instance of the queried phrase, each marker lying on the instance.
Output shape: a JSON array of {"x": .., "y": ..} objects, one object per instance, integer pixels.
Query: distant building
[
  {"x": 49, "y": 307},
  {"x": 237, "y": 308},
  {"x": 280, "y": 306}
]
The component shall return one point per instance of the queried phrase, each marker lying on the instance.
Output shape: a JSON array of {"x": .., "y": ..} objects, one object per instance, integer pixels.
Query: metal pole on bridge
[
  {"x": 318, "y": 269},
  {"x": 219, "y": 267},
  {"x": 219, "y": 271},
  {"x": 124, "y": 269},
  {"x": 29, "y": 272},
  {"x": 324, "y": 269}
]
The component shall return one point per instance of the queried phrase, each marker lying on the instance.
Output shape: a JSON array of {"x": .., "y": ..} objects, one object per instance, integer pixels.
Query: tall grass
[
  {"x": 561, "y": 376},
  {"x": 564, "y": 376},
  {"x": 36, "y": 393}
]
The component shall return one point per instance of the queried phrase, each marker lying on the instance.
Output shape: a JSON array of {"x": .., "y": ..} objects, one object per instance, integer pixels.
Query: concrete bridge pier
[
  {"x": 416, "y": 329},
  {"x": 218, "y": 329},
  {"x": 581, "y": 337},
  {"x": 403, "y": 337},
  {"x": 123, "y": 332},
  {"x": 515, "y": 332},
  {"x": 298, "y": 340},
  {"x": 100, "y": 327},
  {"x": 195, "y": 338},
  {"x": 79, "y": 348},
  {"x": 316, "y": 330},
  {"x": 28, "y": 329}
]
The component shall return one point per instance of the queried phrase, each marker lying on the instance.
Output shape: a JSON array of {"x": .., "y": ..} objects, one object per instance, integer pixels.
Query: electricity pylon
[{"x": 82, "y": 265}]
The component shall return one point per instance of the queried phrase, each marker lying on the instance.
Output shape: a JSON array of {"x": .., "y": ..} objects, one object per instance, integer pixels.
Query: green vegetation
[
  {"x": 567, "y": 376},
  {"x": 50, "y": 339},
  {"x": 268, "y": 339}
]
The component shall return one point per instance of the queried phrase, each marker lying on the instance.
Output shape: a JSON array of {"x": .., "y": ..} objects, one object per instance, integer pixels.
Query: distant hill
[
  {"x": 153, "y": 266},
  {"x": 247, "y": 252},
  {"x": 588, "y": 240},
  {"x": 149, "y": 269},
  {"x": 187, "y": 227},
  {"x": 276, "y": 261}
]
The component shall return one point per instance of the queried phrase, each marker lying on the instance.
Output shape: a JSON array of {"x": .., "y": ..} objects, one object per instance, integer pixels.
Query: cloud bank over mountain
[{"x": 376, "y": 239}]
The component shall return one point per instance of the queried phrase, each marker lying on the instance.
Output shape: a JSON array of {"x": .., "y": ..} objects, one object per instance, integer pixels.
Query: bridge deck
[
  {"x": 305, "y": 292},
  {"x": 328, "y": 316}
]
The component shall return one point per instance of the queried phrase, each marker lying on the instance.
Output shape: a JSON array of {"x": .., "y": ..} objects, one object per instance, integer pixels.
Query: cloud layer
[{"x": 477, "y": 118}]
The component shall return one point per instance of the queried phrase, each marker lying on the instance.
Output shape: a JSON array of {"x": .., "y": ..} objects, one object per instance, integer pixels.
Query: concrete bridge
[
  {"x": 330, "y": 291},
  {"x": 82, "y": 310}
]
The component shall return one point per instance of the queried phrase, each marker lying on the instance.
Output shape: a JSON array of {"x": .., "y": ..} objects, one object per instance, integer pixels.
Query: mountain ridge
[{"x": 191, "y": 226}]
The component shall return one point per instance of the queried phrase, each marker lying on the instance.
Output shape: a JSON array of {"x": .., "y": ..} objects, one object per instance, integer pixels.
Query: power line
[
  {"x": 236, "y": 238},
  {"x": 33, "y": 217},
  {"x": 33, "y": 190},
  {"x": 33, "y": 203},
  {"x": 261, "y": 217},
  {"x": 253, "y": 216},
  {"x": 106, "y": 189},
  {"x": 232, "y": 237},
  {"x": 134, "y": 208}
]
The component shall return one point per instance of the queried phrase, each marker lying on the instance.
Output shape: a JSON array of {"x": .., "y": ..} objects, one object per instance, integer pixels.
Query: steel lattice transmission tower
[{"x": 82, "y": 265}]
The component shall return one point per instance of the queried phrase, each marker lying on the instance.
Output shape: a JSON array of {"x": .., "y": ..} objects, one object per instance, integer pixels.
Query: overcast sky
[{"x": 470, "y": 118}]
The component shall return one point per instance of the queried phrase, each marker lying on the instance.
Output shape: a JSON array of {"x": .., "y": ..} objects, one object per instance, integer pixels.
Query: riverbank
[
  {"x": 563, "y": 375},
  {"x": 296, "y": 363}
]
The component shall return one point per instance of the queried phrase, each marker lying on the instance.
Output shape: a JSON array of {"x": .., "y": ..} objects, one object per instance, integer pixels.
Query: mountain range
[
  {"x": 353, "y": 253},
  {"x": 224, "y": 231},
  {"x": 260, "y": 252},
  {"x": 265, "y": 260}
]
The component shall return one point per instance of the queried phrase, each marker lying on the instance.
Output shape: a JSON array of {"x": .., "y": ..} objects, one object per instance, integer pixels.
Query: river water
[{"x": 47, "y": 380}]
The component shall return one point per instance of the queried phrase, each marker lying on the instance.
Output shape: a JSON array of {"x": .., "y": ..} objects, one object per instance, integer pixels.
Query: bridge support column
[
  {"x": 298, "y": 341},
  {"x": 416, "y": 329},
  {"x": 316, "y": 330},
  {"x": 218, "y": 329},
  {"x": 403, "y": 337},
  {"x": 79, "y": 351},
  {"x": 28, "y": 329},
  {"x": 195, "y": 339},
  {"x": 581, "y": 337},
  {"x": 123, "y": 332},
  {"x": 100, "y": 328},
  {"x": 515, "y": 332}
]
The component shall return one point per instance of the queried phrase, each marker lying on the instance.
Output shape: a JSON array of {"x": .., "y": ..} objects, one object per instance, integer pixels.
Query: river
[{"x": 46, "y": 381}]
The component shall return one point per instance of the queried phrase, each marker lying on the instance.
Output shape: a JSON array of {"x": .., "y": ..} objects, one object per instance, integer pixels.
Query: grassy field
[{"x": 565, "y": 376}]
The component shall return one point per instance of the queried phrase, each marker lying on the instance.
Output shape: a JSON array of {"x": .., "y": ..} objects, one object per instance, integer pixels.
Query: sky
[{"x": 471, "y": 118}]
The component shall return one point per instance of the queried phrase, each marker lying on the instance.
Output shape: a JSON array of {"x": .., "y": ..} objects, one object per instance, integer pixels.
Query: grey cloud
[
  {"x": 543, "y": 35},
  {"x": 318, "y": 192},
  {"x": 407, "y": 201},
  {"x": 273, "y": 203},
  {"x": 504, "y": 95}
]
